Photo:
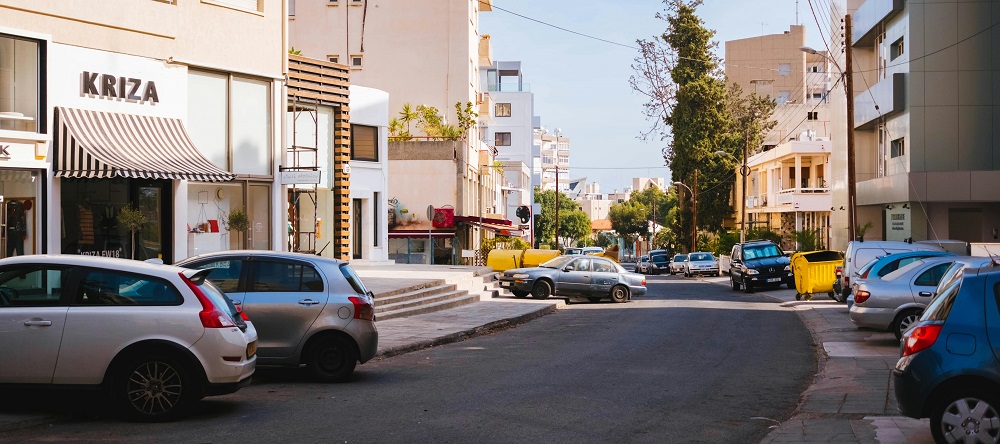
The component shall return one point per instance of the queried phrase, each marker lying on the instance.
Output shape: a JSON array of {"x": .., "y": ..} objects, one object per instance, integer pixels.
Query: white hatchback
[{"x": 156, "y": 337}]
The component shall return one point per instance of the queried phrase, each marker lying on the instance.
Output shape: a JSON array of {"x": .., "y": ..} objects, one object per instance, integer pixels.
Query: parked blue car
[
  {"x": 949, "y": 370},
  {"x": 892, "y": 262}
]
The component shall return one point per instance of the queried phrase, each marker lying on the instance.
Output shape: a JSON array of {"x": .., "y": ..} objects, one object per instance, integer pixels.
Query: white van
[{"x": 860, "y": 253}]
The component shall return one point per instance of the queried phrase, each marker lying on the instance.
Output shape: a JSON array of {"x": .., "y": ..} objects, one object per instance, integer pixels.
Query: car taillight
[
  {"x": 839, "y": 269},
  {"x": 643, "y": 282},
  {"x": 920, "y": 337},
  {"x": 211, "y": 316},
  {"x": 362, "y": 309},
  {"x": 861, "y": 296},
  {"x": 242, "y": 313}
]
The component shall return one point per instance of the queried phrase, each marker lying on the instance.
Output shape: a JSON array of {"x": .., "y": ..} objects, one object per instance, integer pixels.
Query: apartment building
[
  {"x": 511, "y": 130},
  {"x": 120, "y": 103},
  {"x": 420, "y": 53},
  {"x": 799, "y": 79},
  {"x": 927, "y": 163},
  {"x": 554, "y": 151}
]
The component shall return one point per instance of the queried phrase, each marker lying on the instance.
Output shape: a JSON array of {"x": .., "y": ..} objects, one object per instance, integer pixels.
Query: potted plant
[
  {"x": 132, "y": 219},
  {"x": 239, "y": 221}
]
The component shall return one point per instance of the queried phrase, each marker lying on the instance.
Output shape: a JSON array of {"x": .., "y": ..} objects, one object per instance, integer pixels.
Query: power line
[{"x": 555, "y": 26}]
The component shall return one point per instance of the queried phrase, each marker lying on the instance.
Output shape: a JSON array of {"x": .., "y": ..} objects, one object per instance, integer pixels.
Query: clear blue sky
[{"x": 581, "y": 84}]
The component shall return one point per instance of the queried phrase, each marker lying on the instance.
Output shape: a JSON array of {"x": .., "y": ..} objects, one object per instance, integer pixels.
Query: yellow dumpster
[
  {"x": 534, "y": 258},
  {"x": 815, "y": 272},
  {"x": 501, "y": 260}
]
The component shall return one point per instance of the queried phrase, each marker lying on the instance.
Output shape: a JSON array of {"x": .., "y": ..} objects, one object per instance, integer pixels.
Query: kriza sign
[{"x": 107, "y": 86}]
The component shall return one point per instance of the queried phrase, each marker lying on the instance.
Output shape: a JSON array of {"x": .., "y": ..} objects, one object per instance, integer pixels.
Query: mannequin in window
[{"x": 17, "y": 228}]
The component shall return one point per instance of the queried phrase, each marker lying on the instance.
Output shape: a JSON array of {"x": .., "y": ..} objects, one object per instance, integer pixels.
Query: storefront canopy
[{"x": 97, "y": 144}]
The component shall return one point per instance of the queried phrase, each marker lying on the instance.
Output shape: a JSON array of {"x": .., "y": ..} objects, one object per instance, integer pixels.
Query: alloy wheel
[
  {"x": 970, "y": 419},
  {"x": 154, "y": 388}
]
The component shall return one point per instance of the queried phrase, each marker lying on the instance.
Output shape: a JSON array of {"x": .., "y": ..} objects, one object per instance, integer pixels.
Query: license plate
[
  {"x": 504, "y": 284},
  {"x": 251, "y": 349},
  {"x": 774, "y": 279}
]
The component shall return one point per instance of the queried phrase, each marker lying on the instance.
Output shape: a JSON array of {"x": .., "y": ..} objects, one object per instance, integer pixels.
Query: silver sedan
[{"x": 895, "y": 302}]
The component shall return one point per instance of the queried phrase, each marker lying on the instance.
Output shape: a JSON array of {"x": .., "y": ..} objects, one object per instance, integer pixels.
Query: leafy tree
[
  {"x": 545, "y": 229},
  {"x": 574, "y": 225},
  {"x": 604, "y": 240},
  {"x": 763, "y": 233},
  {"x": 651, "y": 197},
  {"x": 629, "y": 219}
]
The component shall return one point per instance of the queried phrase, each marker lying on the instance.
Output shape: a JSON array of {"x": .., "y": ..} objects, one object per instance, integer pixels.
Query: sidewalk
[{"x": 850, "y": 399}]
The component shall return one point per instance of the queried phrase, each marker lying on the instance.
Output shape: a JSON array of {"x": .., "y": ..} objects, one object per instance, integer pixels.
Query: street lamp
[
  {"x": 558, "y": 132},
  {"x": 694, "y": 216},
  {"x": 744, "y": 171}
]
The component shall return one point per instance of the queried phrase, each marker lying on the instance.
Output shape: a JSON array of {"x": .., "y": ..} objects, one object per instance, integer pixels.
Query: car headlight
[
  {"x": 788, "y": 268},
  {"x": 520, "y": 276},
  {"x": 752, "y": 271}
]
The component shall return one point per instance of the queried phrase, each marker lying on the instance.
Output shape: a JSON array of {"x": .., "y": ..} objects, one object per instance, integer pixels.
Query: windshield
[
  {"x": 761, "y": 252},
  {"x": 659, "y": 258},
  {"x": 701, "y": 257},
  {"x": 557, "y": 262},
  {"x": 680, "y": 258}
]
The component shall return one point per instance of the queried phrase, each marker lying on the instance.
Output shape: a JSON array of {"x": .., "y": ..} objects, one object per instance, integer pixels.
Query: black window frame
[
  {"x": 501, "y": 138},
  {"x": 502, "y": 106}
]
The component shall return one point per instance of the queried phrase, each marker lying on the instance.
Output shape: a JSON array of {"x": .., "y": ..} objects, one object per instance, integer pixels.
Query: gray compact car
[
  {"x": 894, "y": 302},
  {"x": 308, "y": 310},
  {"x": 701, "y": 263},
  {"x": 677, "y": 264},
  {"x": 575, "y": 276}
]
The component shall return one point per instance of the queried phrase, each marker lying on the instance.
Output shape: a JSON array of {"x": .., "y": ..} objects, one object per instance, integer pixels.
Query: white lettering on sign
[{"x": 107, "y": 86}]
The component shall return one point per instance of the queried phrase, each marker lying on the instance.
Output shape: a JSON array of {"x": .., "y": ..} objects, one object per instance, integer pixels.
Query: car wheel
[
  {"x": 331, "y": 359},
  {"x": 619, "y": 293},
  {"x": 541, "y": 290},
  {"x": 904, "y": 321},
  {"x": 790, "y": 285},
  {"x": 594, "y": 299},
  {"x": 747, "y": 288},
  {"x": 965, "y": 415},
  {"x": 732, "y": 281},
  {"x": 520, "y": 294},
  {"x": 153, "y": 387}
]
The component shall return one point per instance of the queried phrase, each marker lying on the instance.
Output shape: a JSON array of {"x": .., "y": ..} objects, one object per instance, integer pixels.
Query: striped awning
[{"x": 98, "y": 144}]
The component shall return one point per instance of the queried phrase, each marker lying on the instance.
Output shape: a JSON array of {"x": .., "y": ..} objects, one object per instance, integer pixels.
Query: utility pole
[
  {"x": 694, "y": 214},
  {"x": 558, "y": 133},
  {"x": 851, "y": 178},
  {"x": 744, "y": 171}
]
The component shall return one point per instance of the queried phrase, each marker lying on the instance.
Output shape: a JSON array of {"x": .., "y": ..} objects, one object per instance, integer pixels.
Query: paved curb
[{"x": 485, "y": 329}]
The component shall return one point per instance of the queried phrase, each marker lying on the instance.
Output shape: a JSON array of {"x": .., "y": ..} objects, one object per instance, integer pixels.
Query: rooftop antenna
[{"x": 797, "y": 12}]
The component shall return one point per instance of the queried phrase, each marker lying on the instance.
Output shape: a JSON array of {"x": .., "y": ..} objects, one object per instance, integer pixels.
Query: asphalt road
[{"x": 690, "y": 362}]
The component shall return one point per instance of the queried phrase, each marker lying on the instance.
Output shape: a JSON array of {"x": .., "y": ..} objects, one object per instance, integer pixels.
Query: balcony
[
  {"x": 869, "y": 16},
  {"x": 485, "y": 104},
  {"x": 792, "y": 199},
  {"x": 889, "y": 94},
  {"x": 485, "y": 51},
  {"x": 509, "y": 87}
]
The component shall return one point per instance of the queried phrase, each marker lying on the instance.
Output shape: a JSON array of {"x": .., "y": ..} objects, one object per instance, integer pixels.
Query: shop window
[
  {"x": 208, "y": 210},
  {"x": 21, "y": 84},
  {"x": 502, "y": 139},
  {"x": 229, "y": 120},
  {"x": 502, "y": 110},
  {"x": 90, "y": 218},
  {"x": 364, "y": 143}
]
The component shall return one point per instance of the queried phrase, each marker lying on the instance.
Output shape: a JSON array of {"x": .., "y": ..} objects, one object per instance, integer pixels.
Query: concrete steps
[{"x": 416, "y": 292}]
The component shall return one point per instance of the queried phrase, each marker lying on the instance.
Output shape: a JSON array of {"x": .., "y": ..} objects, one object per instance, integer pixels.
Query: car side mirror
[{"x": 568, "y": 268}]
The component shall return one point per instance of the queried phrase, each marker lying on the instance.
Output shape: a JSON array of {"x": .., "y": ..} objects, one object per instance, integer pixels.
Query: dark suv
[{"x": 759, "y": 263}]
